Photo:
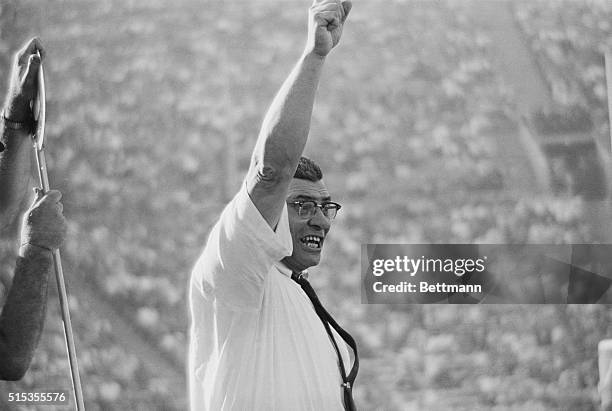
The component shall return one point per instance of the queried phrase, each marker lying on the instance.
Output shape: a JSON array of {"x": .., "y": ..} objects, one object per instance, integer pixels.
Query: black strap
[{"x": 327, "y": 319}]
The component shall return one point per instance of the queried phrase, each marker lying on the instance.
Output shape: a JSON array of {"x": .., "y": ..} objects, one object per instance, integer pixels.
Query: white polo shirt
[{"x": 256, "y": 341}]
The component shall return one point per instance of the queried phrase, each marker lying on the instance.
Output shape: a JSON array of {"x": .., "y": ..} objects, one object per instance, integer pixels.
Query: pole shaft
[
  {"x": 39, "y": 150},
  {"x": 608, "y": 64},
  {"x": 63, "y": 296},
  {"x": 67, "y": 323}
]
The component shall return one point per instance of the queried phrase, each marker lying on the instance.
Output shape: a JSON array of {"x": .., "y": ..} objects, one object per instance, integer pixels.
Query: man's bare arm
[
  {"x": 23, "y": 315},
  {"x": 15, "y": 145},
  {"x": 286, "y": 125}
]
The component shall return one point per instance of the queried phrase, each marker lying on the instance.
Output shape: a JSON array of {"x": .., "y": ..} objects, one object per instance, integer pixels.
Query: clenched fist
[
  {"x": 44, "y": 224},
  {"x": 23, "y": 82},
  {"x": 325, "y": 23}
]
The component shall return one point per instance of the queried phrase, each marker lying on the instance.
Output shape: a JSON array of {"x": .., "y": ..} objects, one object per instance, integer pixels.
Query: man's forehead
[{"x": 306, "y": 188}]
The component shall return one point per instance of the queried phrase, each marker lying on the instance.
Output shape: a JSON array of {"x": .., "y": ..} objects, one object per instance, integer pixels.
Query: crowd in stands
[
  {"x": 570, "y": 39},
  {"x": 153, "y": 107}
]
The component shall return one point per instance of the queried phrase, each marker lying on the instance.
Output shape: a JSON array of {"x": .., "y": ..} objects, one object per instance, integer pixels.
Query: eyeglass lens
[{"x": 308, "y": 209}]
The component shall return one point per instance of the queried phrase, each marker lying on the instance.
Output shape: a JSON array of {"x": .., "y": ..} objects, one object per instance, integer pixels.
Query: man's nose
[{"x": 319, "y": 220}]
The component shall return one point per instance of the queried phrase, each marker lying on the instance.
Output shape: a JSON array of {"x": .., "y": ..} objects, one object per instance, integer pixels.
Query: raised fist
[
  {"x": 325, "y": 23},
  {"x": 44, "y": 224},
  {"x": 23, "y": 82}
]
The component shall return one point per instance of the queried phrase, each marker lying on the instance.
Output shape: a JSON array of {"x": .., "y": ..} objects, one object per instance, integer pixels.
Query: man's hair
[{"x": 308, "y": 170}]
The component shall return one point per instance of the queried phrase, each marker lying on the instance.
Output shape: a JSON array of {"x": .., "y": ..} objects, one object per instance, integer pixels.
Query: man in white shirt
[{"x": 256, "y": 341}]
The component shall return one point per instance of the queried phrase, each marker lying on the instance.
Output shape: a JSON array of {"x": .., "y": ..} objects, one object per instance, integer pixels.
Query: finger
[
  {"x": 39, "y": 48},
  {"x": 33, "y": 46},
  {"x": 38, "y": 194},
  {"x": 328, "y": 18},
  {"x": 52, "y": 196},
  {"x": 329, "y": 7},
  {"x": 340, "y": 10},
  {"x": 31, "y": 74},
  {"x": 346, "y": 7}
]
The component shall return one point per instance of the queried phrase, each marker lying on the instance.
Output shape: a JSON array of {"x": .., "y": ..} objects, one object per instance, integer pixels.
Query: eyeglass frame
[{"x": 298, "y": 204}]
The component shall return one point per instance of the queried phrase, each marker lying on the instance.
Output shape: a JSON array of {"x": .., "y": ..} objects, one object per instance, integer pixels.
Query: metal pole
[
  {"x": 57, "y": 261},
  {"x": 608, "y": 64}
]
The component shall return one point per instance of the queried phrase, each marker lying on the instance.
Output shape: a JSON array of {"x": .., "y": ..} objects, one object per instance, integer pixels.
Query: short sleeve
[{"x": 240, "y": 251}]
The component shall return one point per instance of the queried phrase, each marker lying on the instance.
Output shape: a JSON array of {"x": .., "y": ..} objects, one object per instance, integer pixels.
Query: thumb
[
  {"x": 31, "y": 73},
  {"x": 38, "y": 194},
  {"x": 52, "y": 196},
  {"x": 347, "y": 5}
]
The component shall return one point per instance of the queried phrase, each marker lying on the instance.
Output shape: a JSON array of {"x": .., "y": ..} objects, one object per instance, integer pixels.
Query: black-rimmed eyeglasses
[{"x": 308, "y": 208}]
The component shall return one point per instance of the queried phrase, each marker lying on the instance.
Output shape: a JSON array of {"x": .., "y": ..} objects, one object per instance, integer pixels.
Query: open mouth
[{"x": 313, "y": 242}]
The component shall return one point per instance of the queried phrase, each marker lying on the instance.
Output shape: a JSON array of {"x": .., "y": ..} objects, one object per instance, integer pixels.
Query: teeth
[{"x": 312, "y": 241}]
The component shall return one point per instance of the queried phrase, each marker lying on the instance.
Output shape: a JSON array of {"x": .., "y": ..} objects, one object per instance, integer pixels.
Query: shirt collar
[{"x": 287, "y": 271}]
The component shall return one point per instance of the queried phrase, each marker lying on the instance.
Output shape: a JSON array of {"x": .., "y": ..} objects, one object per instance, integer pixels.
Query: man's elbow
[
  {"x": 272, "y": 174},
  {"x": 13, "y": 368}
]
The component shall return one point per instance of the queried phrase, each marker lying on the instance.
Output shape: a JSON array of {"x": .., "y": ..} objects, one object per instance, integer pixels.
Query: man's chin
[
  {"x": 304, "y": 261},
  {"x": 314, "y": 260}
]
